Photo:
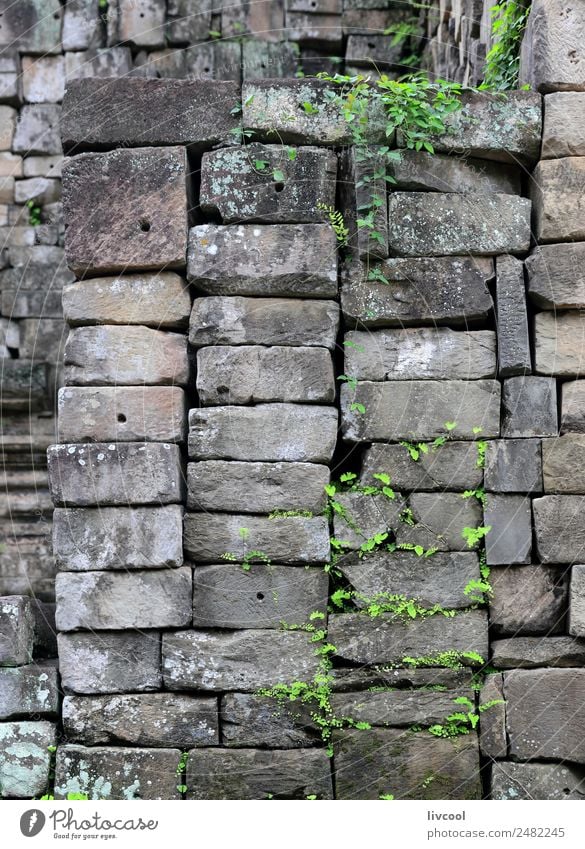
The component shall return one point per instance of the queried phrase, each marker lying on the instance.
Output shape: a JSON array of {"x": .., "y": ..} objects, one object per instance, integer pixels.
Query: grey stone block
[
  {"x": 529, "y": 407},
  {"x": 453, "y": 465},
  {"x": 349, "y": 680},
  {"x": 256, "y": 721},
  {"x": 556, "y": 276},
  {"x": 559, "y": 527},
  {"x": 556, "y": 190},
  {"x": 364, "y": 516},
  {"x": 562, "y": 464},
  {"x": 511, "y": 318},
  {"x": 510, "y": 539},
  {"x": 398, "y": 708},
  {"x": 517, "y": 781},
  {"x": 559, "y": 346},
  {"x": 531, "y": 652},
  {"x": 31, "y": 690},
  {"x": 116, "y": 662},
  {"x": 17, "y": 630},
  {"x": 492, "y": 729},
  {"x": 421, "y": 171},
  {"x": 551, "y": 49},
  {"x": 577, "y": 602},
  {"x": 573, "y": 406},
  {"x": 264, "y": 60},
  {"x": 34, "y": 25},
  {"x": 25, "y": 758},
  {"x": 439, "y": 520},
  {"x": 37, "y": 130},
  {"x": 563, "y": 133},
  {"x": 513, "y": 465},
  {"x": 528, "y": 599}
]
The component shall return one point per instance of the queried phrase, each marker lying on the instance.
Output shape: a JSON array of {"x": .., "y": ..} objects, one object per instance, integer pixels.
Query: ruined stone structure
[{"x": 227, "y": 360}]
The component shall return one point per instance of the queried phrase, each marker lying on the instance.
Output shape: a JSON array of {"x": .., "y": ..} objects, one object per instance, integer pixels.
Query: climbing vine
[{"x": 502, "y": 62}]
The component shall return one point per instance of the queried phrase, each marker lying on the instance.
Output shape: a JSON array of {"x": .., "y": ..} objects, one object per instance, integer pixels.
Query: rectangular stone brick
[
  {"x": 29, "y": 690},
  {"x": 251, "y": 721},
  {"x": 243, "y": 660},
  {"x": 528, "y": 600},
  {"x": 421, "y": 171},
  {"x": 122, "y": 414},
  {"x": 551, "y": 50},
  {"x": 511, "y": 318},
  {"x": 436, "y": 224},
  {"x": 33, "y": 25},
  {"x": 531, "y": 652},
  {"x": 117, "y": 538},
  {"x": 42, "y": 339},
  {"x": 529, "y": 407},
  {"x": 557, "y": 192},
  {"x": 439, "y": 520},
  {"x": 25, "y": 759},
  {"x": 37, "y": 131},
  {"x": 556, "y": 276},
  {"x": 298, "y": 260},
  {"x": 559, "y": 527},
  {"x": 253, "y": 373},
  {"x": 364, "y": 516},
  {"x": 563, "y": 133},
  {"x": 510, "y": 538},
  {"x": 419, "y": 409},
  {"x": 267, "y": 432},
  {"x": 532, "y": 781},
  {"x": 513, "y": 465},
  {"x": 107, "y": 474},
  {"x": 126, "y": 210},
  {"x": 25, "y": 385},
  {"x": 17, "y": 629},
  {"x": 418, "y": 353},
  {"x": 125, "y": 356},
  {"x": 493, "y": 741},
  {"x": 110, "y": 662},
  {"x": 559, "y": 343},
  {"x": 227, "y": 486},
  {"x": 183, "y": 27},
  {"x": 226, "y": 596},
  {"x": 453, "y": 465},
  {"x": 573, "y": 406},
  {"x": 562, "y": 464},
  {"x": 398, "y": 708},
  {"x": 263, "y": 321},
  {"x": 293, "y": 539}
]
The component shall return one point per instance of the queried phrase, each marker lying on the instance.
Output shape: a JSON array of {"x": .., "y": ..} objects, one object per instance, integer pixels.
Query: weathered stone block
[
  {"x": 42, "y": 339},
  {"x": 108, "y": 474},
  {"x": 188, "y": 112},
  {"x": 81, "y": 24},
  {"x": 529, "y": 407},
  {"x": 145, "y": 28},
  {"x": 126, "y": 210},
  {"x": 513, "y": 465},
  {"x": 258, "y": 774},
  {"x": 452, "y": 466},
  {"x": 263, "y": 321},
  {"x": 551, "y": 57},
  {"x": 349, "y": 680},
  {"x": 250, "y": 720},
  {"x": 439, "y": 520},
  {"x": 251, "y": 374},
  {"x": 573, "y": 406},
  {"x": 389, "y": 639},
  {"x": 421, "y": 171},
  {"x": 398, "y": 708},
  {"x": 267, "y": 432},
  {"x": 218, "y": 60},
  {"x": 115, "y": 773},
  {"x": 125, "y": 356},
  {"x": 418, "y": 353},
  {"x": 362, "y": 186},
  {"x": 557, "y": 196},
  {"x": 563, "y": 132},
  {"x": 107, "y": 601},
  {"x": 242, "y": 660},
  {"x": 577, "y": 602},
  {"x": 25, "y": 758},
  {"x": 370, "y": 764},
  {"x": 39, "y": 190},
  {"x": 111, "y": 62},
  {"x": 364, "y": 516},
  {"x": 436, "y": 224},
  {"x": 33, "y": 25},
  {"x": 511, "y": 318},
  {"x": 556, "y": 276},
  {"x": 262, "y": 183},
  {"x": 513, "y": 782},
  {"x": 528, "y": 599},
  {"x": 224, "y": 486},
  {"x": 419, "y": 409},
  {"x": 156, "y": 300},
  {"x": 492, "y": 729},
  {"x": 37, "y": 130},
  {"x": 226, "y": 596},
  {"x": 28, "y": 690},
  {"x": 559, "y": 526},
  {"x": 531, "y": 652},
  {"x": 246, "y": 17},
  {"x": 509, "y": 539},
  {"x": 294, "y": 539},
  {"x": 17, "y": 630},
  {"x": 263, "y": 60},
  {"x": 156, "y": 719},
  {"x": 43, "y": 78},
  {"x": 285, "y": 260},
  {"x": 115, "y": 662},
  {"x": 548, "y": 724},
  {"x": 559, "y": 343},
  {"x": 184, "y": 27},
  {"x": 562, "y": 463},
  {"x": 25, "y": 293}
]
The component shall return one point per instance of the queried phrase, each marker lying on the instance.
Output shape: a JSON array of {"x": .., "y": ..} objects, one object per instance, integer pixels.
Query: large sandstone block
[
  {"x": 226, "y": 596},
  {"x": 122, "y": 414},
  {"x": 242, "y": 660},
  {"x": 255, "y": 721},
  {"x": 559, "y": 343},
  {"x": 25, "y": 758},
  {"x": 106, "y": 601},
  {"x": 551, "y": 56},
  {"x": 545, "y": 713},
  {"x": 559, "y": 527},
  {"x": 17, "y": 630},
  {"x": 293, "y": 539},
  {"x": 227, "y": 486},
  {"x": 31, "y": 690},
  {"x": 268, "y": 432},
  {"x": 107, "y": 474},
  {"x": 418, "y": 353},
  {"x": 156, "y": 300},
  {"x": 556, "y": 276},
  {"x": 37, "y": 130},
  {"x": 562, "y": 463},
  {"x": 371, "y": 764},
  {"x": 115, "y": 773},
  {"x": 33, "y": 25},
  {"x": 513, "y": 465},
  {"x": 563, "y": 133},
  {"x": 389, "y": 639},
  {"x": 144, "y": 28},
  {"x": 509, "y": 539},
  {"x": 453, "y": 465},
  {"x": 419, "y": 409},
  {"x": 125, "y": 356},
  {"x": 555, "y": 782},
  {"x": 263, "y": 321},
  {"x": 532, "y": 652},
  {"x": 258, "y": 774},
  {"x": 152, "y": 719},
  {"x": 528, "y": 599},
  {"x": 511, "y": 318},
  {"x": 573, "y": 406},
  {"x": 297, "y": 260},
  {"x": 110, "y": 662},
  {"x": 529, "y": 407},
  {"x": 557, "y": 196},
  {"x": 577, "y": 602},
  {"x": 126, "y": 210},
  {"x": 138, "y": 112},
  {"x": 251, "y": 374},
  {"x": 263, "y": 183},
  {"x": 421, "y": 171},
  {"x": 436, "y": 224},
  {"x": 364, "y": 516},
  {"x": 439, "y": 520}
]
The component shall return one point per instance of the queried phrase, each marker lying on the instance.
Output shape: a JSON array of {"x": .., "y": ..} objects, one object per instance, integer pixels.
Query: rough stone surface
[
  {"x": 438, "y": 224},
  {"x": 155, "y": 719},
  {"x": 24, "y": 758},
  {"x": 398, "y": 708},
  {"x": 33, "y": 25},
  {"x": 364, "y": 516},
  {"x": 250, "y": 720},
  {"x": 573, "y": 406},
  {"x": 513, "y": 465},
  {"x": 532, "y": 652},
  {"x": 117, "y": 538},
  {"x": 112, "y": 773},
  {"x": 557, "y": 196},
  {"x": 263, "y": 321},
  {"x": 256, "y": 774},
  {"x": 419, "y": 409},
  {"x": 439, "y": 520},
  {"x": 111, "y": 474},
  {"x": 242, "y": 660},
  {"x": 510, "y": 537},
  {"x": 556, "y": 276},
  {"x": 529, "y": 407},
  {"x": 563, "y": 132},
  {"x": 452, "y": 466},
  {"x": 37, "y": 130},
  {"x": 123, "y": 414},
  {"x": 155, "y": 300},
  {"x": 417, "y": 171},
  {"x": 28, "y": 690},
  {"x": 528, "y": 599},
  {"x": 577, "y": 602},
  {"x": 252, "y": 373},
  {"x": 294, "y": 539},
  {"x": 417, "y": 353},
  {"x": 361, "y": 178},
  {"x": 559, "y": 343},
  {"x": 17, "y": 629},
  {"x": 115, "y": 662},
  {"x": 226, "y": 596},
  {"x": 492, "y": 729},
  {"x": 562, "y": 464},
  {"x": 267, "y": 432},
  {"x": 222, "y": 486},
  {"x": 262, "y": 183},
  {"x": 280, "y": 260},
  {"x": 559, "y": 527},
  {"x": 126, "y": 210},
  {"x": 517, "y": 781},
  {"x": 511, "y": 318},
  {"x": 552, "y": 50},
  {"x": 106, "y": 601}
]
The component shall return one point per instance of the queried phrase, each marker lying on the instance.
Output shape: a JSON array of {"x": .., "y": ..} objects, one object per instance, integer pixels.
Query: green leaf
[
  {"x": 260, "y": 164},
  {"x": 278, "y": 175}
]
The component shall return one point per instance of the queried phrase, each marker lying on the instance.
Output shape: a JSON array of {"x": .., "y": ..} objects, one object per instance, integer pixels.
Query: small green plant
[
  {"x": 71, "y": 797},
  {"x": 473, "y": 536},
  {"x": 451, "y": 659},
  {"x": 337, "y": 222},
  {"x": 247, "y": 558},
  {"x": 464, "y": 721},
  {"x": 290, "y": 514},
  {"x": 502, "y": 62},
  {"x": 387, "y": 797},
  {"x": 34, "y": 213}
]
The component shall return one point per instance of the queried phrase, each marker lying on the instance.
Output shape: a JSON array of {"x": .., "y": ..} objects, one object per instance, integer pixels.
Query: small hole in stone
[
  {"x": 260, "y": 596},
  {"x": 262, "y": 65},
  {"x": 144, "y": 225},
  {"x": 206, "y": 70},
  {"x": 313, "y": 5},
  {"x": 566, "y": 791},
  {"x": 278, "y": 187},
  {"x": 370, "y": 45},
  {"x": 121, "y": 417},
  {"x": 56, "y": 16},
  {"x": 142, "y": 14}
]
